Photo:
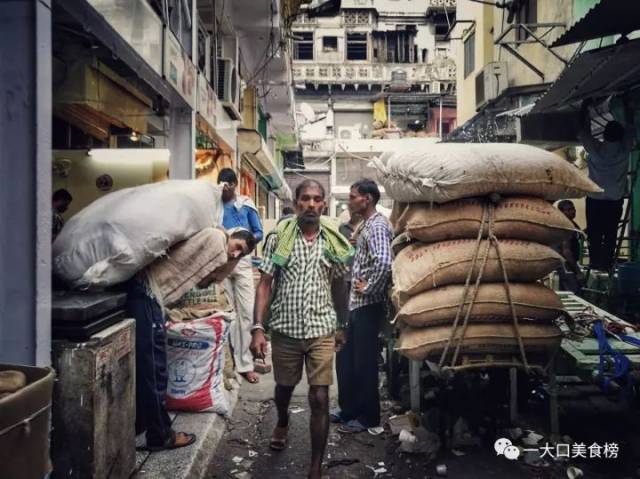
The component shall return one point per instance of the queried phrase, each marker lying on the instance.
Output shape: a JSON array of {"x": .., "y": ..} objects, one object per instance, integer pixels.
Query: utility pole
[{"x": 440, "y": 125}]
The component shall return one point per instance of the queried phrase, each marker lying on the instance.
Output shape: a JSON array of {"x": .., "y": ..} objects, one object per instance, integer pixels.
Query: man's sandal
[
  {"x": 279, "y": 438},
  {"x": 172, "y": 442},
  {"x": 251, "y": 377}
]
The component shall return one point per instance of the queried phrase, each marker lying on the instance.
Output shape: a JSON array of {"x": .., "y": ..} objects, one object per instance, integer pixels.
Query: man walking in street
[
  {"x": 304, "y": 262},
  {"x": 357, "y": 363},
  {"x": 240, "y": 212}
]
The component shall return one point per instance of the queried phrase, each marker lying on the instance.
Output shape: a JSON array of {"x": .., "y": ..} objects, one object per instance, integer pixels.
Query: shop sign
[
  {"x": 206, "y": 101},
  {"x": 179, "y": 71}
]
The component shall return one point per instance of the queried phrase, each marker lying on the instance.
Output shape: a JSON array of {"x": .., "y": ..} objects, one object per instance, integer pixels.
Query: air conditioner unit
[
  {"x": 228, "y": 87},
  {"x": 490, "y": 83},
  {"x": 349, "y": 133}
]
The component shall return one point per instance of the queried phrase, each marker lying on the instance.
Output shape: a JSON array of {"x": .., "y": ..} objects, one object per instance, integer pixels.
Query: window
[
  {"x": 356, "y": 46},
  {"x": 470, "y": 54},
  {"x": 329, "y": 44},
  {"x": 350, "y": 170},
  {"x": 303, "y": 46},
  {"x": 527, "y": 14},
  {"x": 442, "y": 22},
  {"x": 396, "y": 46}
]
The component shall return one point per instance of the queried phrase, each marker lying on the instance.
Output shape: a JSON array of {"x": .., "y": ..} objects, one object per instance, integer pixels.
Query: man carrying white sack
[
  {"x": 206, "y": 257},
  {"x": 240, "y": 212}
]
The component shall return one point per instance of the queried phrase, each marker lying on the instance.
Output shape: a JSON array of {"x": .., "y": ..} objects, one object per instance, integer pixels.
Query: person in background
[
  {"x": 198, "y": 261},
  {"x": 287, "y": 212},
  {"x": 302, "y": 287},
  {"x": 608, "y": 162},
  {"x": 348, "y": 229},
  {"x": 60, "y": 202},
  {"x": 570, "y": 275},
  {"x": 370, "y": 282},
  {"x": 240, "y": 212}
]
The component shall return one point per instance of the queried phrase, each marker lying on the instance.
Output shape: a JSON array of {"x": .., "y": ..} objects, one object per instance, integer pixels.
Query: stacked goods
[
  {"x": 119, "y": 234},
  {"x": 468, "y": 260},
  {"x": 449, "y": 171}
]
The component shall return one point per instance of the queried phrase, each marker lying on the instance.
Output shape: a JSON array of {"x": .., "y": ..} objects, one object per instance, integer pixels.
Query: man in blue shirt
[{"x": 240, "y": 212}]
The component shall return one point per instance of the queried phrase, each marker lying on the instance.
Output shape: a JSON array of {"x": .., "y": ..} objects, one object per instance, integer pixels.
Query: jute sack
[
  {"x": 422, "y": 343},
  {"x": 516, "y": 217},
  {"x": 420, "y": 267},
  {"x": 438, "y": 306},
  {"x": 449, "y": 171}
]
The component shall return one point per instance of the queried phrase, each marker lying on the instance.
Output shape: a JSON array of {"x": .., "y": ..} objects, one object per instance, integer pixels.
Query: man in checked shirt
[
  {"x": 357, "y": 362},
  {"x": 302, "y": 287}
]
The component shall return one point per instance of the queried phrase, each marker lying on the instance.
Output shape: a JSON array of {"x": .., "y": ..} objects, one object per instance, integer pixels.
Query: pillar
[{"x": 25, "y": 182}]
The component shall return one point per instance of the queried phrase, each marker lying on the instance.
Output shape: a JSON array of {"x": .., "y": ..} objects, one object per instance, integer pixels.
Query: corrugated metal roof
[
  {"x": 596, "y": 73},
  {"x": 609, "y": 17}
]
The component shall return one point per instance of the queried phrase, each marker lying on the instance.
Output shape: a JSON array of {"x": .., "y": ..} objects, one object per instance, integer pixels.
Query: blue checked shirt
[{"x": 372, "y": 262}]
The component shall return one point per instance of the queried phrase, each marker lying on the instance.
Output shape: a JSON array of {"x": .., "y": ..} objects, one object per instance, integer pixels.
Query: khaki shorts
[{"x": 288, "y": 355}]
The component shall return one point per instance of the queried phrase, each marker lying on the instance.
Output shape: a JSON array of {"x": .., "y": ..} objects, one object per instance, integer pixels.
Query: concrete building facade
[
  {"x": 506, "y": 61},
  {"x": 105, "y": 94},
  {"x": 378, "y": 71}
]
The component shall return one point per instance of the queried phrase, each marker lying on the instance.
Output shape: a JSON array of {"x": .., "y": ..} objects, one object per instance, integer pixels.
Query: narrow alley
[{"x": 244, "y": 450}]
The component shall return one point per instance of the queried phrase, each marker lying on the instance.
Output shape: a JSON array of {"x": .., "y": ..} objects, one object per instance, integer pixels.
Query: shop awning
[
  {"x": 253, "y": 147},
  {"x": 596, "y": 73},
  {"x": 93, "y": 97},
  {"x": 609, "y": 17}
]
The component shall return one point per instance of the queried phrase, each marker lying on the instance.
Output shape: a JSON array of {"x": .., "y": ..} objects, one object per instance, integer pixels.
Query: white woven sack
[
  {"x": 449, "y": 171},
  {"x": 195, "y": 360},
  {"x": 117, "y": 235}
]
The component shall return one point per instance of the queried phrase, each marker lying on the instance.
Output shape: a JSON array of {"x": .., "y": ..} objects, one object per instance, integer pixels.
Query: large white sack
[
  {"x": 449, "y": 171},
  {"x": 117, "y": 235}
]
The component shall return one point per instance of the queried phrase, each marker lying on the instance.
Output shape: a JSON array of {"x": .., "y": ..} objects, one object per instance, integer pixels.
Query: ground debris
[
  {"x": 377, "y": 470},
  {"x": 348, "y": 461}
]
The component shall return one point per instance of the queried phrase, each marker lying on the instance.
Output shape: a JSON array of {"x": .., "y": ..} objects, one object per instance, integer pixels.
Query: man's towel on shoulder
[{"x": 337, "y": 247}]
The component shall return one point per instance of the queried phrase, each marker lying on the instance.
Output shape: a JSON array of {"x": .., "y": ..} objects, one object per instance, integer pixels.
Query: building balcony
[
  {"x": 253, "y": 148},
  {"x": 367, "y": 73}
]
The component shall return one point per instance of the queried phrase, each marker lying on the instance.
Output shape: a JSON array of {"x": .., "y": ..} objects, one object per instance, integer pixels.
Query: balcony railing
[
  {"x": 442, "y": 3},
  {"x": 442, "y": 70}
]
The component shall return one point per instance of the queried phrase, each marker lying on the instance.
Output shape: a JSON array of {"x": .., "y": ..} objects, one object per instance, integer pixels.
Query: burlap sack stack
[{"x": 474, "y": 235}]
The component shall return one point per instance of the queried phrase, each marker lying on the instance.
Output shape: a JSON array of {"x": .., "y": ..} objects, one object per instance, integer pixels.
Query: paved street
[
  {"x": 244, "y": 450},
  {"x": 245, "y": 447}
]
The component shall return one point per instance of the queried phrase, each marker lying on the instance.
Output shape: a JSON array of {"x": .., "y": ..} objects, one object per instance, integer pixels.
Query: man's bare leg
[
  {"x": 319, "y": 425},
  {"x": 283, "y": 398}
]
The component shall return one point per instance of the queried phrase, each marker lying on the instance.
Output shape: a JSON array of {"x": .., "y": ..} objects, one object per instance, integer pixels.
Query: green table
[{"x": 583, "y": 356}]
